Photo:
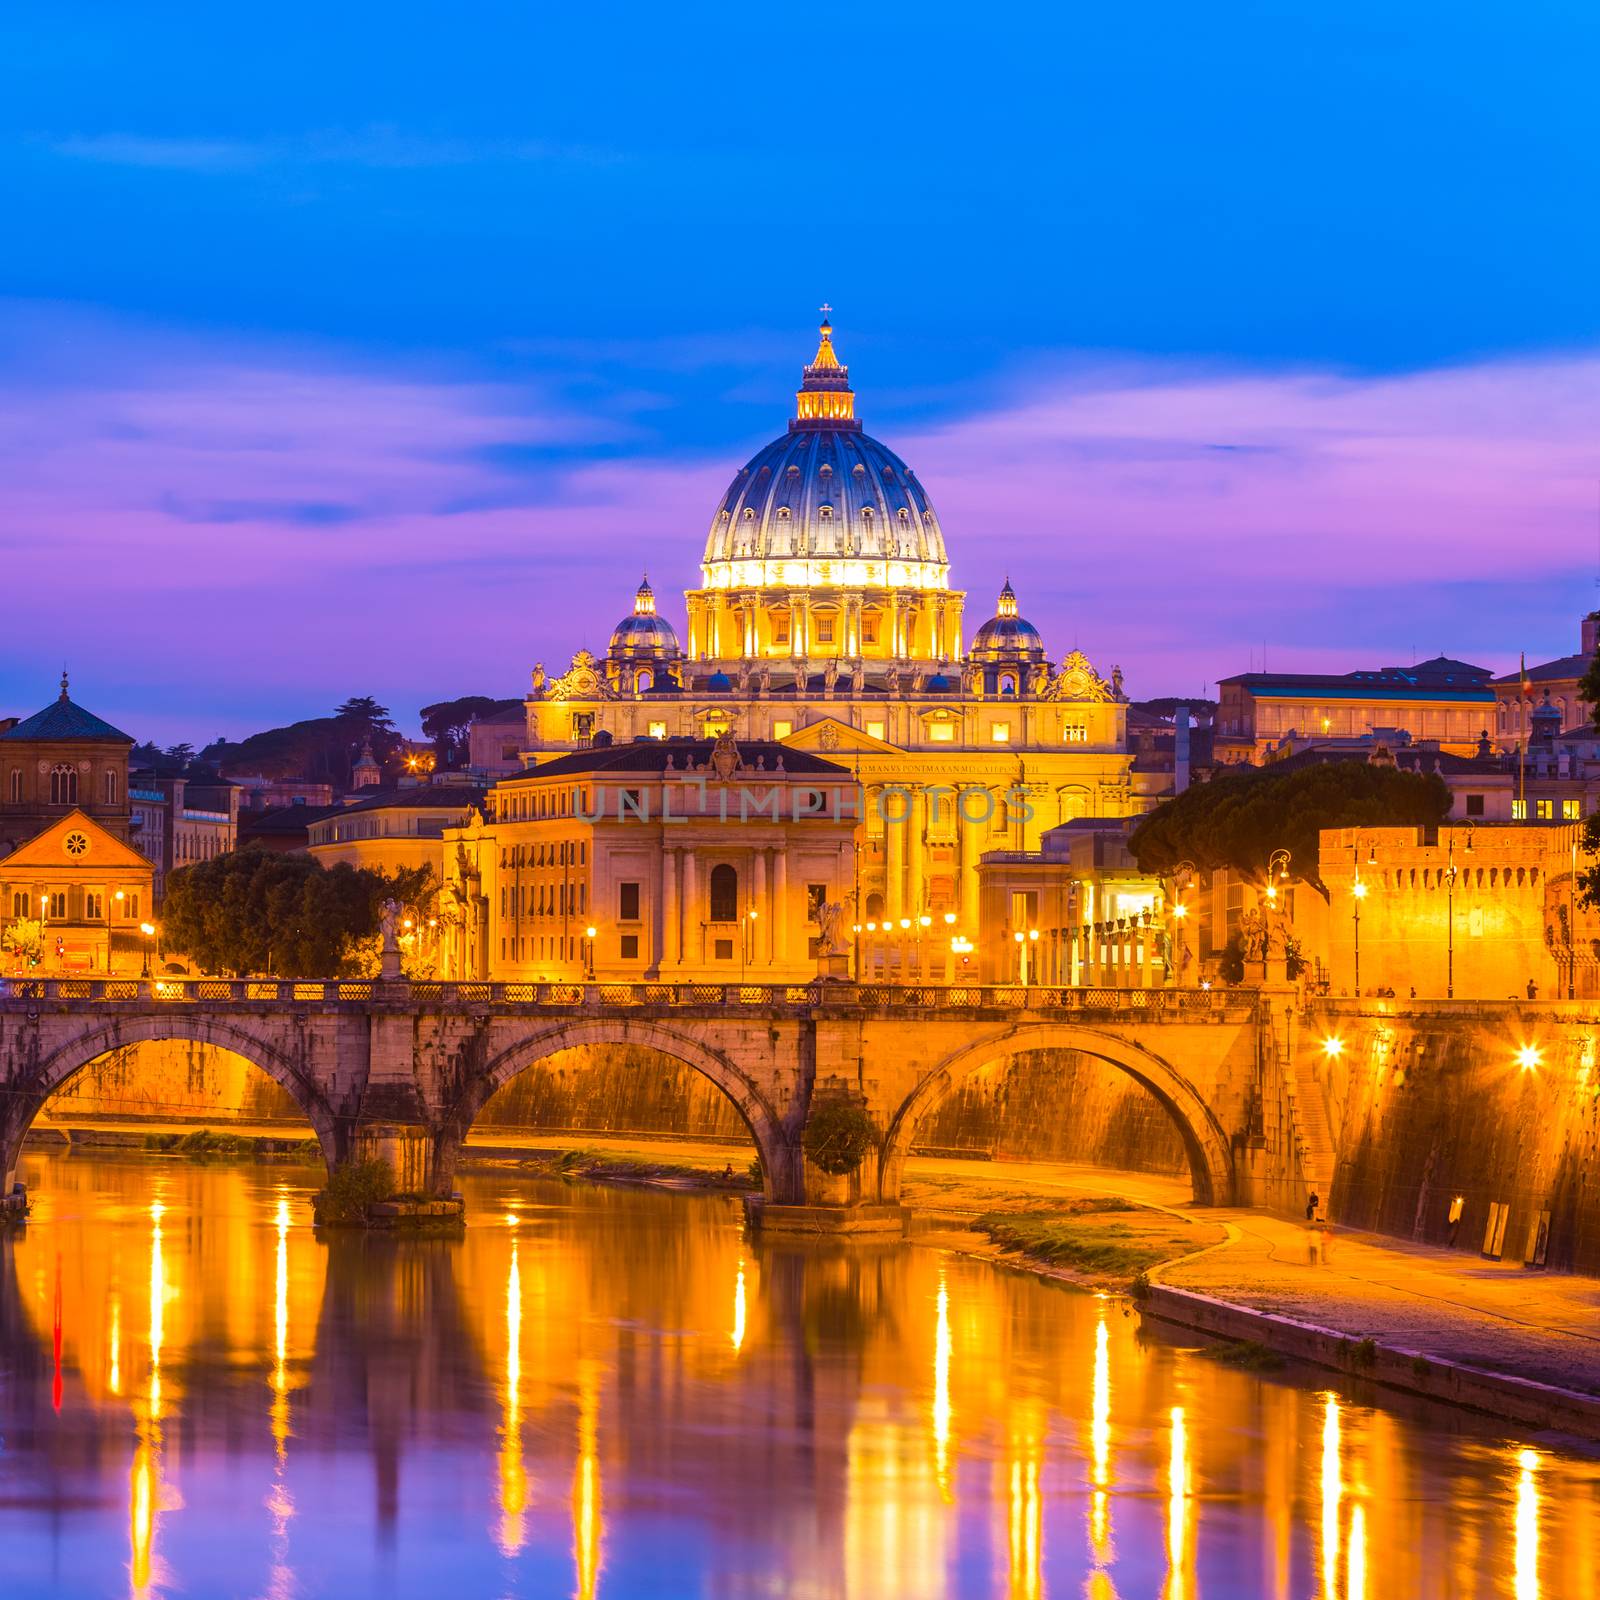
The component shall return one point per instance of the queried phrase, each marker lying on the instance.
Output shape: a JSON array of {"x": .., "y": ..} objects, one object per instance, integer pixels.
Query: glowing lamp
[
  {"x": 924, "y": 922},
  {"x": 1180, "y": 912},
  {"x": 1359, "y": 890},
  {"x": 905, "y": 922},
  {"x": 1017, "y": 937},
  {"x": 949, "y": 919},
  {"x": 588, "y": 933},
  {"x": 147, "y": 929},
  {"x": 1033, "y": 933},
  {"x": 1333, "y": 1047},
  {"x": 1529, "y": 1056}
]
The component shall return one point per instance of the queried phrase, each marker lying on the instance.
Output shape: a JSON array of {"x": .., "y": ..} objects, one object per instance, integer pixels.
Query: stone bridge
[{"x": 402, "y": 1068}]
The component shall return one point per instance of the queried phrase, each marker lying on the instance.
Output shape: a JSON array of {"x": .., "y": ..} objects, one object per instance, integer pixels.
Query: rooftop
[
  {"x": 64, "y": 720},
  {"x": 652, "y": 756}
]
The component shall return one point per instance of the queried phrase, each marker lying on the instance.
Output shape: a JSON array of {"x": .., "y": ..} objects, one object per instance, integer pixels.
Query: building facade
[
  {"x": 393, "y": 830},
  {"x": 677, "y": 861},
  {"x": 176, "y": 821},
  {"x": 826, "y": 620}
]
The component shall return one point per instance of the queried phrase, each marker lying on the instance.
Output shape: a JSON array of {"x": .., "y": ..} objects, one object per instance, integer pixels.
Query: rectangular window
[
  {"x": 1474, "y": 805},
  {"x": 1075, "y": 733},
  {"x": 1519, "y": 810},
  {"x": 816, "y": 898},
  {"x": 630, "y": 947},
  {"x": 877, "y": 730},
  {"x": 824, "y": 630},
  {"x": 658, "y": 730},
  {"x": 722, "y": 949},
  {"x": 781, "y": 729},
  {"x": 1000, "y": 733},
  {"x": 942, "y": 732},
  {"x": 627, "y": 902},
  {"x": 780, "y": 630},
  {"x": 1544, "y": 810},
  {"x": 869, "y": 630},
  {"x": 133, "y": 906}
]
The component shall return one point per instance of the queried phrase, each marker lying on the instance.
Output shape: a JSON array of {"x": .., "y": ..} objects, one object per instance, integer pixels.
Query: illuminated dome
[
  {"x": 1006, "y": 635},
  {"x": 825, "y": 504},
  {"x": 644, "y": 635}
]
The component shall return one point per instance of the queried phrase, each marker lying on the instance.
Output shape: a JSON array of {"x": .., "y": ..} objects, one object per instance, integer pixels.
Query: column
[
  {"x": 671, "y": 931},
  {"x": 970, "y": 845},
  {"x": 689, "y": 911},
  {"x": 781, "y": 910},
  {"x": 756, "y": 901},
  {"x": 895, "y": 828},
  {"x": 916, "y": 891}
]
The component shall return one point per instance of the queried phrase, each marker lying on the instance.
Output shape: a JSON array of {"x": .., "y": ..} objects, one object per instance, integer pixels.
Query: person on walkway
[
  {"x": 1533, "y": 990},
  {"x": 1313, "y": 1200}
]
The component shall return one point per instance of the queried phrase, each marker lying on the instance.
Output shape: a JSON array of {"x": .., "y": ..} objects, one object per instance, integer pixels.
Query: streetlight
[
  {"x": 747, "y": 941},
  {"x": 1183, "y": 876},
  {"x": 1450, "y": 873},
  {"x": 148, "y": 929},
  {"x": 1358, "y": 893},
  {"x": 588, "y": 941}
]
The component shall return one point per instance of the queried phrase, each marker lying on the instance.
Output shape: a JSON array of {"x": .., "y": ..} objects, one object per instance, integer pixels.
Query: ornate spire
[
  {"x": 63, "y": 680},
  {"x": 825, "y": 394},
  {"x": 644, "y": 601},
  {"x": 1007, "y": 605}
]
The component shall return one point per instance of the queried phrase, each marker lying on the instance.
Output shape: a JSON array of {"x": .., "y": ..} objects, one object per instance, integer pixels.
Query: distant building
[
  {"x": 1449, "y": 702},
  {"x": 1076, "y": 911},
  {"x": 1520, "y": 694},
  {"x": 282, "y": 829},
  {"x": 176, "y": 821},
  {"x": 59, "y": 760},
  {"x": 266, "y": 794},
  {"x": 393, "y": 829}
]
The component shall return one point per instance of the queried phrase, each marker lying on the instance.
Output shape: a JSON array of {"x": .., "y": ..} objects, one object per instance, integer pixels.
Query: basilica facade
[{"x": 826, "y": 621}]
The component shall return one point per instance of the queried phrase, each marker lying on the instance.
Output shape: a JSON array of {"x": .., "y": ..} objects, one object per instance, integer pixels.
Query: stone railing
[{"x": 422, "y": 995}]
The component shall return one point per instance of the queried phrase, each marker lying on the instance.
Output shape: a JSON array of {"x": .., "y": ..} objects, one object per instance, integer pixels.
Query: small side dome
[
  {"x": 643, "y": 636},
  {"x": 1007, "y": 636},
  {"x": 719, "y": 683}
]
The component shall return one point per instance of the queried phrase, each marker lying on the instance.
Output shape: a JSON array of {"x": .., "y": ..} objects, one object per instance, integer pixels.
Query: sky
[{"x": 378, "y": 349}]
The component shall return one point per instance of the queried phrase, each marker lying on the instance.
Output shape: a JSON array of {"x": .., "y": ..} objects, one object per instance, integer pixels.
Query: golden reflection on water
[
  {"x": 1180, "y": 1557},
  {"x": 942, "y": 1413},
  {"x": 738, "y": 1309},
  {"x": 587, "y": 1532},
  {"x": 897, "y": 1424},
  {"x": 513, "y": 1475},
  {"x": 1525, "y": 1571},
  {"x": 1332, "y": 1494}
]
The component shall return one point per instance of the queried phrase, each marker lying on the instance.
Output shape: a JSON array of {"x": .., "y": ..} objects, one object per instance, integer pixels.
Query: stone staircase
[{"x": 1308, "y": 1120}]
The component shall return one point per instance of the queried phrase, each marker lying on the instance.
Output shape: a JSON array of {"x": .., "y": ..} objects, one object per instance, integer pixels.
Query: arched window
[
  {"x": 109, "y": 784},
  {"x": 874, "y": 907},
  {"x": 641, "y": 680},
  {"x": 1008, "y": 683},
  {"x": 16, "y": 786},
  {"x": 64, "y": 785},
  {"x": 724, "y": 893}
]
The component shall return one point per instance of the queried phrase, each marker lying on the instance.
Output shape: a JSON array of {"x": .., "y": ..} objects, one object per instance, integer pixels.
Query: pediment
[
  {"x": 831, "y": 737},
  {"x": 100, "y": 851}
]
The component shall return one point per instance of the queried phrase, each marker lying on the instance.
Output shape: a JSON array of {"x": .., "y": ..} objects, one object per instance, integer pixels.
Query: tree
[
  {"x": 320, "y": 748},
  {"x": 23, "y": 941},
  {"x": 447, "y": 723},
  {"x": 251, "y": 911},
  {"x": 1240, "y": 817},
  {"x": 838, "y": 1136}
]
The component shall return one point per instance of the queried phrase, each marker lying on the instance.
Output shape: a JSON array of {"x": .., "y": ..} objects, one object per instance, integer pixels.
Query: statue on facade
[
  {"x": 1116, "y": 684},
  {"x": 1255, "y": 937},
  {"x": 858, "y": 675},
  {"x": 892, "y": 678},
  {"x": 802, "y": 677},
  {"x": 388, "y": 924},
  {"x": 830, "y": 927},
  {"x": 830, "y": 676},
  {"x": 538, "y": 677},
  {"x": 764, "y": 681}
]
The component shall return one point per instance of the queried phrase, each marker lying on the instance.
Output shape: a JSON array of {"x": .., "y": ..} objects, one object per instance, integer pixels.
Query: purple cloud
[{"x": 216, "y": 537}]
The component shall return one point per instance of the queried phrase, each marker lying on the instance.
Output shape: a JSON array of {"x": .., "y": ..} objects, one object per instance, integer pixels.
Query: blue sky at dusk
[{"x": 376, "y": 349}]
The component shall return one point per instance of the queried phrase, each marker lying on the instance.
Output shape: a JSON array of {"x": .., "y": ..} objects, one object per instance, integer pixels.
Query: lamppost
[
  {"x": 949, "y": 947},
  {"x": 747, "y": 940},
  {"x": 588, "y": 952},
  {"x": 1450, "y": 872},
  {"x": 1183, "y": 876},
  {"x": 924, "y": 922},
  {"x": 148, "y": 929}
]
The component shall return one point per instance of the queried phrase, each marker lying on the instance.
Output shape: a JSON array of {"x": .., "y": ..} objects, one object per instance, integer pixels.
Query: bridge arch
[
  {"x": 781, "y": 1165},
  {"x": 1204, "y": 1142},
  {"x": 23, "y": 1101}
]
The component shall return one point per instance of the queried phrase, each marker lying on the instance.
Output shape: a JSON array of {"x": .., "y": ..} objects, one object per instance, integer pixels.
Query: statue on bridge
[{"x": 388, "y": 924}]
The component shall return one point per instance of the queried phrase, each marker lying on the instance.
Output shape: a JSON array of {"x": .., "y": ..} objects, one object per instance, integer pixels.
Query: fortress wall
[{"x": 1425, "y": 1108}]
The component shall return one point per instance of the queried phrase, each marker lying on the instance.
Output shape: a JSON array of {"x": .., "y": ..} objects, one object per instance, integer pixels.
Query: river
[{"x": 614, "y": 1392}]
